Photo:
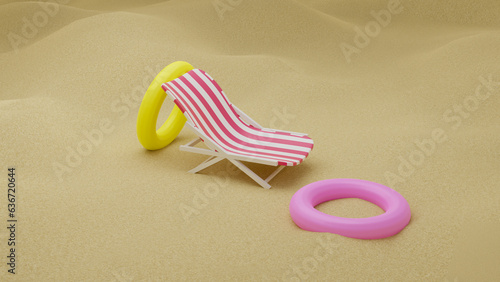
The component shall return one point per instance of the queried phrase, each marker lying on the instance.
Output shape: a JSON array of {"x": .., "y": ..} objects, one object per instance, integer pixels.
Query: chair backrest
[{"x": 203, "y": 102}]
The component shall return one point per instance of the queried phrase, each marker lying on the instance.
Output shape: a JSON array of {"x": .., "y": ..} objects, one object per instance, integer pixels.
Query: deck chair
[{"x": 230, "y": 134}]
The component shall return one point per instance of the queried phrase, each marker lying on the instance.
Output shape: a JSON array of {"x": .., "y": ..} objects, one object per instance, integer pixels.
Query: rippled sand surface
[{"x": 406, "y": 94}]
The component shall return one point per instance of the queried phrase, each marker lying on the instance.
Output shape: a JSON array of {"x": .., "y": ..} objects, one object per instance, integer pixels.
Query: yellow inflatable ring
[{"x": 149, "y": 137}]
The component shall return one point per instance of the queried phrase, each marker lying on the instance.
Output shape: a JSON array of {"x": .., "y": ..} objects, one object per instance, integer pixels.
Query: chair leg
[
  {"x": 273, "y": 174},
  {"x": 208, "y": 162},
  {"x": 250, "y": 173}
]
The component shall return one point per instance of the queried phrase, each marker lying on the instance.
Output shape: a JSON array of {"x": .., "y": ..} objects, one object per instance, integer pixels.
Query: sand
[{"x": 413, "y": 104}]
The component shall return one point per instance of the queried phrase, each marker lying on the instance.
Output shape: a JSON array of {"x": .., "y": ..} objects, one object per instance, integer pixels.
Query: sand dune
[
  {"x": 366, "y": 89},
  {"x": 24, "y": 23}
]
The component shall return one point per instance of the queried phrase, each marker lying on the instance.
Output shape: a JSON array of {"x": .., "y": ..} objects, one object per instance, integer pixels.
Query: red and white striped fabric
[{"x": 207, "y": 108}]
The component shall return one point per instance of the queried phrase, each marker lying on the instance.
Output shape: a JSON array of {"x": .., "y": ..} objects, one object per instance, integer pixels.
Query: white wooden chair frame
[{"x": 218, "y": 154}]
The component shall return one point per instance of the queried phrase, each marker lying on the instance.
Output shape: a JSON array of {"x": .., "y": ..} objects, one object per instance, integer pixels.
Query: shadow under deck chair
[{"x": 228, "y": 132}]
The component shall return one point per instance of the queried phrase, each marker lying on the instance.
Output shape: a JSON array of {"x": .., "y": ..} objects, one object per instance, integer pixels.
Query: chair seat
[{"x": 280, "y": 146}]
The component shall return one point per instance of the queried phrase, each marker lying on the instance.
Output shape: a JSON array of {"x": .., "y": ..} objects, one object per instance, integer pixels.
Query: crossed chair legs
[{"x": 216, "y": 157}]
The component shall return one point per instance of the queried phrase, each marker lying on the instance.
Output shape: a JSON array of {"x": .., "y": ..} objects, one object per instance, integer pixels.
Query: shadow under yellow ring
[{"x": 149, "y": 137}]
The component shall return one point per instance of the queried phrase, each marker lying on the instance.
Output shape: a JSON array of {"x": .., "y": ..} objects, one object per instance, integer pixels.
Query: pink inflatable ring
[{"x": 396, "y": 217}]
